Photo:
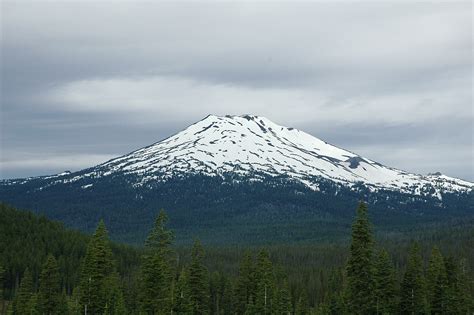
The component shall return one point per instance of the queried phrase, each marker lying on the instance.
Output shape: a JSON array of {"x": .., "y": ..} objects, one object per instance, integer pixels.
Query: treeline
[
  {"x": 256, "y": 212},
  {"x": 26, "y": 240},
  {"x": 160, "y": 281}
]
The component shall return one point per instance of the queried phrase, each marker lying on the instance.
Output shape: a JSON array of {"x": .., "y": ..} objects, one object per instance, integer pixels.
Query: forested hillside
[
  {"x": 233, "y": 210},
  {"x": 47, "y": 269}
]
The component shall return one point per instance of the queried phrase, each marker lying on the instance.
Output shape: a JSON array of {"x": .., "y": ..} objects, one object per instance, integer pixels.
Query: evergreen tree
[
  {"x": 322, "y": 309},
  {"x": 245, "y": 287},
  {"x": 413, "y": 289},
  {"x": 74, "y": 304},
  {"x": 221, "y": 301},
  {"x": 302, "y": 306},
  {"x": 156, "y": 293},
  {"x": 2, "y": 280},
  {"x": 360, "y": 278},
  {"x": 460, "y": 284},
  {"x": 251, "y": 309},
  {"x": 436, "y": 283},
  {"x": 282, "y": 300},
  {"x": 182, "y": 300},
  {"x": 198, "y": 281},
  {"x": 115, "y": 304},
  {"x": 336, "y": 304},
  {"x": 63, "y": 307},
  {"x": 385, "y": 294},
  {"x": 22, "y": 301},
  {"x": 264, "y": 282},
  {"x": 97, "y": 266},
  {"x": 227, "y": 297},
  {"x": 49, "y": 293},
  {"x": 10, "y": 309},
  {"x": 334, "y": 300},
  {"x": 33, "y": 306},
  {"x": 214, "y": 292}
]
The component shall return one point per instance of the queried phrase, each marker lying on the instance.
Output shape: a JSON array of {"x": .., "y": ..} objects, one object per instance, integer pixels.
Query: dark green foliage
[
  {"x": 334, "y": 301},
  {"x": 245, "y": 287},
  {"x": 97, "y": 267},
  {"x": 27, "y": 239},
  {"x": 182, "y": 299},
  {"x": 74, "y": 305},
  {"x": 302, "y": 306},
  {"x": 282, "y": 304},
  {"x": 198, "y": 281},
  {"x": 292, "y": 271},
  {"x": 22, "y": 303},
  {"x": 63, "y": 307},
  {"x": 115, "y": 303},
  {"x": 49, "y": 301},
  {"x": 229, "y": 209},
  {"x": 385, "y": 295},
  {"x": 457, "y": 298},
  {"x": 264, "y": 284},
  {"x": 437, "y": 283},
  {"x": 221, "y": 294},
  {"x": 226, "y": 300},
  {"x": 2, "y": 284},
  {"x": 156, "y": 274},
  {"x": 460, "y": 287},
  {"x": 413, "y": 288},
  {"x": 360, "y": 267},
  {"x": 10, "y": 309}
]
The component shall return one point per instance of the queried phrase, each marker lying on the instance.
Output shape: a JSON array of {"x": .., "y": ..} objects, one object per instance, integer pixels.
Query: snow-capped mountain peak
[
  {"x": 252, "y": 145},
  {"x": 255, "y": 148}
]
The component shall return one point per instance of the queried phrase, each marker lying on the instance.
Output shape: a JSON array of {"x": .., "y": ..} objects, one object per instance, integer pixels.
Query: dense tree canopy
[{"x": 161, "y": 278}]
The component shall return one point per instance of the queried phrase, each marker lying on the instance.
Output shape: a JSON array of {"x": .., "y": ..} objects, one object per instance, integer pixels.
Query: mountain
[
  {"x": 236, "y": 162},
  {"x": 251, "y": 145}
]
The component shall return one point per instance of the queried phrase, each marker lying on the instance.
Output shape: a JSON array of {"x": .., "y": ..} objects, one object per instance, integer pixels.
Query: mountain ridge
[
  {"x": 241, "y": 180},
  {"x": 250, "y": 145}
]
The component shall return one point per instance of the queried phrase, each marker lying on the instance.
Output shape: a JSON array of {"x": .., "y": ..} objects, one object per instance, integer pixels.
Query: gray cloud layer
[{"x": 86, "y": 81}]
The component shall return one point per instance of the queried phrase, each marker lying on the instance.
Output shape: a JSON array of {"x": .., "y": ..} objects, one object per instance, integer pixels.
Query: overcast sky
[{"x": 83, "y": 82}]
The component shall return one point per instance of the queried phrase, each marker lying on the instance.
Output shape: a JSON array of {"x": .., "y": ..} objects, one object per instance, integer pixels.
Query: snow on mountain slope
[{"x": 252, "y": 145}]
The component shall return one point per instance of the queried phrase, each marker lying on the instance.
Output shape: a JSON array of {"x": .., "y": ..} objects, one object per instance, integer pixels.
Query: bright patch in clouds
[{"x": 174, "y": 97}]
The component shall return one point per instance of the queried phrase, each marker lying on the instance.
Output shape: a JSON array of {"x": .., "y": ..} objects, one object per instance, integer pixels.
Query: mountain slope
[
  {"x": 240, "y": 179},
  {"x": 252, "y": 145}
]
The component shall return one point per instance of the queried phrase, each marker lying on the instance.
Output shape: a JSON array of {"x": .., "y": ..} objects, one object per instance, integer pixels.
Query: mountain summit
[
  {"x": 239, "y": 179},
  {"x": 254, "y": 146}
]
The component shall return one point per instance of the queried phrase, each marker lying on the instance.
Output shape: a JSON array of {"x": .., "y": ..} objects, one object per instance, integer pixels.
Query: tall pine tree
[
  {"x": 2, "y": 280},
  {"x": 385, "y": 294},
  {"x": 21, "y": 303},
  {"x": 437, "y": 283},
  {"x": 282, "y": 300},
  {"x": 460, "y": 284},
  {"x": 226, "y": 302},
  {"x": 265, "y": 284},
  {"x": 115, "y": 303},
  {"x": 156, "y": 274},
  {"x": 245, "y": 287},
  {"x": 413, "y": 289},
  {"x": 182, "y": 299},
  {"x": 360, "y": 277},
  {"x": 97, "y": 267},
  {"x": 198, "y": 281},
  {"x": 49, "y": 292},
  {"x": 302, "y": 306},
  {"x": 334, "y": 299}
]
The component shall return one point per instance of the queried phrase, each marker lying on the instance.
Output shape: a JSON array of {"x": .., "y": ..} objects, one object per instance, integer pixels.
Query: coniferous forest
[{"x": 48, "y": 269}]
